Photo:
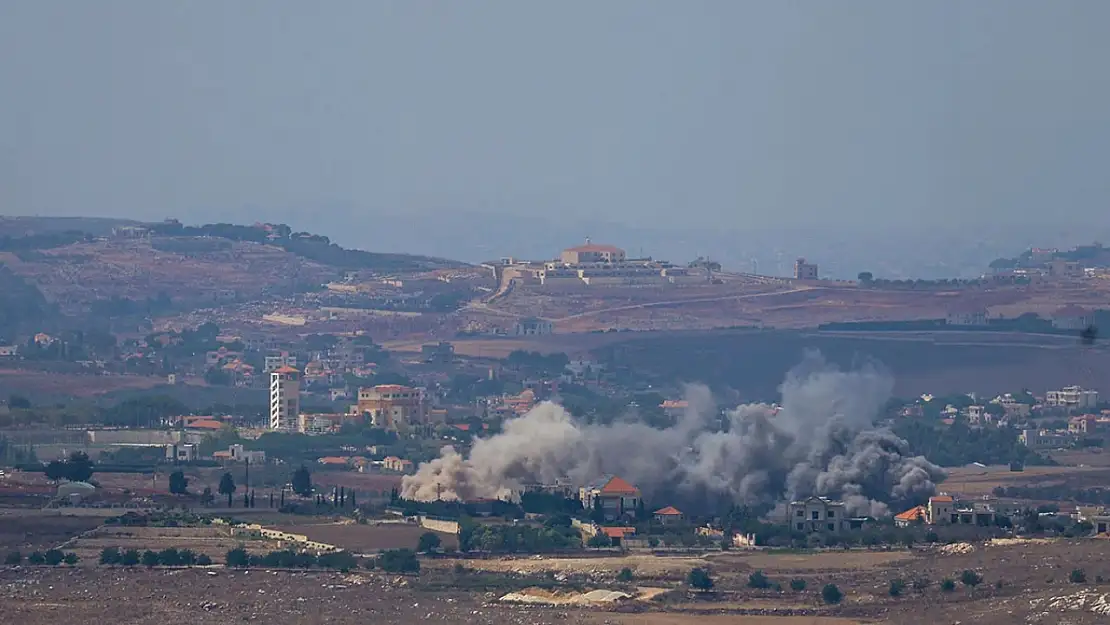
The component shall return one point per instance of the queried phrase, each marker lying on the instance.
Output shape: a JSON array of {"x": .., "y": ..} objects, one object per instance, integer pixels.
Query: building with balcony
[
  {"x": 392, "y": 406},
  {"x": 285, "y": 398}
]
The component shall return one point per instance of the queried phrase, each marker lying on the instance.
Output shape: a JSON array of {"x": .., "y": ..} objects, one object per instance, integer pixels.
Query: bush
[
  {"x": 429, "y": 541},
  {"x": 130, "y": 557},
  {"x": 625, "y": 575},
  {"x": 947, "y": 585},
  {"x": 339, "y": 560},
  {"x": 970, "y": 578},
  {"x": 36, "y": 558},
  {"x": 931, "y": 537},
  {"x": 699, "y": 578},
  {"x": 110, "y": 555},
  {"x": 70, "y": 558},
  {"x": 897, "y": 586},
  {"x": 169, "y": 557},
  {"x": 13, "y": 558},
  {"x": 399, "y": 561},
  {"x": 921, "y": 583},
  {"x": 186, "y": 557},
  {"x": 150, "y": 558},
  {"x": 1078, "y": 576},
  {"x": 459, "y": 568},
  {"x": 831, "y": 594},
  {"x": 54, "y": 557},
  {"x": 797, "y": 584},
  {"x": 238, "y": 557},
  {"x": 758, "y": 580},
  {"x": 204, "y": 560}
]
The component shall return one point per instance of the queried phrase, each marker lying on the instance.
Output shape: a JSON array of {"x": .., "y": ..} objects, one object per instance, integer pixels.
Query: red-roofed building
[
  {"x": 669, "y": 515},
  {"x": 210, "y": 425},
  {"x": 916, "y": 514},
  {"x": 616, "y": 534},
  {"x": 613, "y": 495}
]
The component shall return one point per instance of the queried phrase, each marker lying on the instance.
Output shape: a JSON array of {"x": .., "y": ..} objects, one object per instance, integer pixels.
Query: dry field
[
  {"x": 41, "y": 530},
  {"x": 365, "y": 538},
  {"x": 975, "y": 481},
  {"x": 211, "y": 541},
  {"x": 71, "y": 384}
]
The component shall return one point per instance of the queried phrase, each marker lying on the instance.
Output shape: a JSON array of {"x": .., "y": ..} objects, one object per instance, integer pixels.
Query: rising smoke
[{"x": 821, "y": 441}]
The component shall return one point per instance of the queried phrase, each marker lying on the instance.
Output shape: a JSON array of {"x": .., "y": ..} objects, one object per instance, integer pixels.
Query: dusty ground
[
  {"x": 366, "y": 538},
  {"x": 974, "y": 481}
]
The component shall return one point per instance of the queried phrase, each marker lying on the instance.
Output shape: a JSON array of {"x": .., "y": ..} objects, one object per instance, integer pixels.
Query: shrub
[
  {"x": 130, "y": 557},
  {"x": 36, "y": 558},
  {"x": 921, "y": 583},
  {"x": 238, "y": 557},
  {"x": 970, "y": 578},
  {"x": 204, "y": 560},
  {"x": 931, "y": 537},
  {"x": 169, "y": 557},
  {"x": 54, "y": 557},
  {"x": 399, "y": 561},
  {"x": 459, "y": 568},
  {"x": 186, "y": 557},
  {"x": 1078, "y": 576},
  {"x": 699, "y": 578},
  {"x": 428, "y": 541},
  {"x": 110, "y": 555},
  {"x": 896, "y": 587},
  {"x": 70, "y": 558},
  {"x": 758, "y": 580},
  {"x": 13, "y": 558},
  {"x": 797, "y": 584},
  {"x": 150, "y": 558},
  {"x": 625, "y": 575},
  {"x": 831, "y": 594},
  {"x": 947, "y": 585}
]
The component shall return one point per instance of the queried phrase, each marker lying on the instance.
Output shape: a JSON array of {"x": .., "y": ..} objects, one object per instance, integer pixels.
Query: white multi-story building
[
  {"x": 1072, "y": 397},
  {"x": 285, "y": 398},
  {"x": 804, "y": 270},
  {"x": 284, "y": 359}
]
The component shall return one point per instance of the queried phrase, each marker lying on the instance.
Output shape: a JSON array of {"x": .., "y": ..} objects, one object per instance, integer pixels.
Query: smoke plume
[{"x": 821, "y": 441}]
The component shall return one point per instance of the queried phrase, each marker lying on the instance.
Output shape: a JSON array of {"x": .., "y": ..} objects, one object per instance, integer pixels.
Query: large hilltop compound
[{"x": 594, "y": 264}]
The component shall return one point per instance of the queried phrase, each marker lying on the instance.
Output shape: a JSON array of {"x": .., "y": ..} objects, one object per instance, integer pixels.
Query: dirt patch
[
  {"x": 40, "y": 531},
  {"x": 366, "y": 538},
  {"x": 817, "y": 561}
]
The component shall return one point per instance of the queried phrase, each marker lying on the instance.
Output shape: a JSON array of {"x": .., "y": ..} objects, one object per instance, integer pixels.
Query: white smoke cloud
[{"x": 821, "y": 441}]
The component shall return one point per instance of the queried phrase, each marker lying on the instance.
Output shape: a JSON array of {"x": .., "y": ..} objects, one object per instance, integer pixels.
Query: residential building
[
  {"x": 9, "y": 351},
  {"x": 618, "y": 534},
  {"x": 1072, "y": 318},
  {"x": 398, "y": 465},
  {"x": 1072, "y": 398},
  {"x": 1045, "y": 439},
  {"x": 1084, "y": 424},
  {"x": 804, "y": 270},
  {"x": 913, "y": 516},
  {"x": 669, "y": 516},
  {"x": 236, "y": 453},
  {"x": 321, "y": 423},
  {"x": 1012, "y": 406},
  {"x": 284, "y": 359},
  {"x": 441, "y": 352},
  {"x": 1060, "y": 268},
  {"x": 392, "y": 406},
  {"x": 182, "y": 452},
  {"x": 613, "y": 495},
  {"x": 940, "y": 509},
  {"x": 818, "y": 514},
  {"x": 532, "y": 326},
  {"x": 285, "y": 398}
]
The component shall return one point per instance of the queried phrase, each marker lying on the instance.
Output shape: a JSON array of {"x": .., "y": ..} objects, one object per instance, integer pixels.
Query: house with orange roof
[
  {"x": 613, "y": 495},
  {"x": 617, "y": 534},
  {"x": 334, "y": 461},
  {"x": 669, "y": 516},
  {"x": 913, "y": 516},
  {"x": 208, "y": 425}
]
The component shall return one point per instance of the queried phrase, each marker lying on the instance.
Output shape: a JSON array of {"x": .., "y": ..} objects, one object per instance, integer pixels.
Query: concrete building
[
  {"x": 398, "y": 465},
  {"x": 1072, "y": 318},
  {"x": 592, "y": 253},
  {"x": 532, "y": 326},
  {"x": 804, "y": 270},
  {"x": 392, "y": 406},
  {"x": 236, "y": 453},
  {"x": 818, "y": 514},
  {"x": 321, "y": 423},
  {"x": 966, "y": 316},
  {"x": 182, "y": 452},
  {"x": 1072, "y": 398},
  {"x": 285, "y": 398},
  {"x": 276, "y": 361},
  {"x": 1045, "y": 439},
  {"x": 669, "y": 516},
  {"x": 613, "y": 495}
]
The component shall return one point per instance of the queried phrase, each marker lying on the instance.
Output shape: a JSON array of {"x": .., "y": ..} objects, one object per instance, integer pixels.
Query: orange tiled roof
[
  {"x": 913, "y": 514},
  {"x": 941, "y": 499},
  {"x": 668, "y": 511},
  {"x": 332, "y": 460},
  {"x": 618, "y": 532},
  {"x": 286, "y": 369},
  {"x": 205, "y": 424},
  {"x": 618, "y": 486}
]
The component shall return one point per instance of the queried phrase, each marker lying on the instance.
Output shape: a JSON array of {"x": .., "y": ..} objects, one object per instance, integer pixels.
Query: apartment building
[
  {"x": 285, "y": 398},
  {"x": 1072, "y": 398},
  {"x": 804, "y": 270},
  {"x": 392, "y": 406}
]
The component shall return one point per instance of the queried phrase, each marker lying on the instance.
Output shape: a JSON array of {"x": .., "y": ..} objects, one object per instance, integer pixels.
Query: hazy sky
[{"x": 718, "y": 115}]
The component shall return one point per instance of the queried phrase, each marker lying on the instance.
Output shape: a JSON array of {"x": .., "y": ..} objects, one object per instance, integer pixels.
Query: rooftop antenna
[{"x": 587, "y": 240}]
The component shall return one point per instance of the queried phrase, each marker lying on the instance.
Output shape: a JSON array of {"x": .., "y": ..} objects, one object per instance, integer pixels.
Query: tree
[
  {"x": 150, "y": 558},
  {"x": 399, "y": 561},
  {"x": 302, "y": 482},
  {"x": 699, "y": 579},
  {"x": 70, "y": 558},
  {"x": 206, "y": 497},
  {"x": 865, "y": 277},
  {"x": 169, "y": 557},
  {"x": 947, "y": 585},
  {"x": 78, "y": 467},
  {"x": 1078, "y": 576},
  {"x": 204, "y": 560},
  {"x": 53, "y": 557},
  {"x": 758, "y": 580},
  {"x": 599, "y": 541},
  {"x": 36, "y": 557},
  {"x": 831, "y": 594},
  {"x": 896, "y": 587},
  {"x": 179, "y": 484},
  {"x": 110, "y": 555},
  {"x": 55, "y": 470},
  {"x": 797, "y": 584},
  {"x": 238, "y": 557},
  {"x": 429, "y": 541},
  {"x": 625, "y": 575},
  {"x": 13, "y": 558},
  {"x": 227, "y": 487},
  {"x": 130, "y": 557},
  {"x": 970, "y": 578}
]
